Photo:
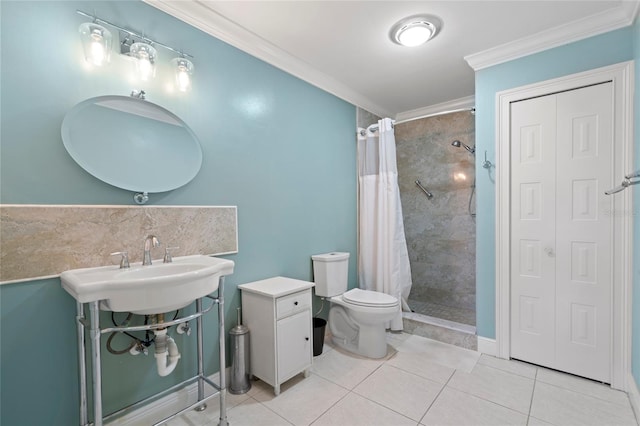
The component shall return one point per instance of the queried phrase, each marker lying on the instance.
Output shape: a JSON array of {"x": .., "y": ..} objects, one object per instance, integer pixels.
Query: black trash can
[{"x": 318, "y": 335}]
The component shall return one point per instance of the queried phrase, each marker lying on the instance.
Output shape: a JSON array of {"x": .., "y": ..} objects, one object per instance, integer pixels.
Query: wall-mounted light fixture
[
  {"x": 145, "y": 56},
  {"x": 183, "y": 69},
  {"x": 96, "y": 41}
]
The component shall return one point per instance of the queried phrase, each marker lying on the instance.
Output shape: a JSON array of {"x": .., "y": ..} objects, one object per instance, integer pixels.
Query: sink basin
[{"x": 146, "y": 290}]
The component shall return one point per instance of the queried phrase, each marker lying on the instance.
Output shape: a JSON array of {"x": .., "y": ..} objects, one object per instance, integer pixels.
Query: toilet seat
[{"x": 369, "y": 298}]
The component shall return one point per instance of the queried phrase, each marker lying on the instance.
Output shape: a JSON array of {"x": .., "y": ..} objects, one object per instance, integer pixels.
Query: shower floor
[{"x": 459, "y": 315}]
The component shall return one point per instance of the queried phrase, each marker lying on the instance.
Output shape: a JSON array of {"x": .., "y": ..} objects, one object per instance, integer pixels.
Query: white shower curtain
[{"x": 383, "y": 260}]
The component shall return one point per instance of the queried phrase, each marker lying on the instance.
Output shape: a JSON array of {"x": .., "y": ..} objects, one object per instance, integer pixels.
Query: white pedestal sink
[
  {"x": 147, "y": 290},
  {"x": 151, "y": 289}
]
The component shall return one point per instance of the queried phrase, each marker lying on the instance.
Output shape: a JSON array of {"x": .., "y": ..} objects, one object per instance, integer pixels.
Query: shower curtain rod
[{"x": 374, "y": 128}]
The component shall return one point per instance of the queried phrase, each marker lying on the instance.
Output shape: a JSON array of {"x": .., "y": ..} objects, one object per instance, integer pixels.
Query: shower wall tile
[
  {"x": 45, "y": 240},
  {"x": 365, "y": 118},
  {"x": 440, "y": 232}
]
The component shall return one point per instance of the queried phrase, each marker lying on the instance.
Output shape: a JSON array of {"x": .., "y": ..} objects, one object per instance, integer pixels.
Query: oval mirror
[{"x": 131, "y": 143}]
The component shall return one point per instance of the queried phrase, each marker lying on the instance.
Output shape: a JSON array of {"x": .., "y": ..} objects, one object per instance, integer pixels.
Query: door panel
[
  {"x": 532, "y": 230},
  {"x": 583, "y": 283},
  {"x": 561, "y": 161},
  {"x": 584, "y": 193}
]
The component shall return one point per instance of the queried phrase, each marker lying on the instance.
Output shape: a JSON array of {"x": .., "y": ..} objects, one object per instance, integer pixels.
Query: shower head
[{"x": 458, "y": 144}]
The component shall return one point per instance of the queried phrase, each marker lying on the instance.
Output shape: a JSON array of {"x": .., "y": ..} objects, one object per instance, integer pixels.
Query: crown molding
[
  {"x": 199, "y": 15},
  {"x": 589, "y": 26},
  {"x": 467, "y": 102}
]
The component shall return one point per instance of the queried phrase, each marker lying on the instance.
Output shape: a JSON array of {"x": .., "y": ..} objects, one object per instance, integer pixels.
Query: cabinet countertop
[{"x": 276, "y": 286}]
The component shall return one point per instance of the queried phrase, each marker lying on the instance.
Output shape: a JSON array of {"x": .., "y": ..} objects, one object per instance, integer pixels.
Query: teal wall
[
  {"x": 280, "y": 149},
  {"x": 610, "y": 48},
  {"x": 635, "y": 359}
]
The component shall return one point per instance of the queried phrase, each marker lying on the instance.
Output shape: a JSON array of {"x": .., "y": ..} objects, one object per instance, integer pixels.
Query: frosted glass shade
[
  {"x": 414, "y": 34},
  {"x": 415, "y": 30}
]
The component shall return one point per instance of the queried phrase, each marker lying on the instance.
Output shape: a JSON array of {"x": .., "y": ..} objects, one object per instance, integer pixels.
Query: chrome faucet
[{"x": 150, "y": 242}]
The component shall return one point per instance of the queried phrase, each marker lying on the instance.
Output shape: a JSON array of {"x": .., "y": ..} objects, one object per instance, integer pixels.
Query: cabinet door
[{"x": 294, "y": 345}]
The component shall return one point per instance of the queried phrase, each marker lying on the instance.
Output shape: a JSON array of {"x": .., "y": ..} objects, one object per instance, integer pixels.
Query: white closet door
[
  {"x": 533, "y": 143},
  {"x": 584, "y": 229},
  {"x": 561, "y": 231}
]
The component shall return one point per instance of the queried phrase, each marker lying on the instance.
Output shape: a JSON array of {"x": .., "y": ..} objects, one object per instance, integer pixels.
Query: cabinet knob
[
  {"x": 295, "y": 303},
  {"x": 306, "y": 338}
]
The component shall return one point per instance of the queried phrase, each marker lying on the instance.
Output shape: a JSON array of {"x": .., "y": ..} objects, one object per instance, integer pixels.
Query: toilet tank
[{"x": 331, "y": 273}]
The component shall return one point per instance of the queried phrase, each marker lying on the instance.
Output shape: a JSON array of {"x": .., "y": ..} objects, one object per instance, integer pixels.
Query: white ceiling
[{"x": 344, "y": 46}]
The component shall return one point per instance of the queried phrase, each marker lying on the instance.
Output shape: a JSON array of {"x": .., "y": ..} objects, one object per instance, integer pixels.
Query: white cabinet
[{"x": 278, "y": 314}]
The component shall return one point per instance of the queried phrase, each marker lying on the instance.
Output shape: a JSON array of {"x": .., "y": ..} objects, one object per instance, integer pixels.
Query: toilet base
[
  {"x": 375, "y": 351},
  {"x": 368, "y": 340}
]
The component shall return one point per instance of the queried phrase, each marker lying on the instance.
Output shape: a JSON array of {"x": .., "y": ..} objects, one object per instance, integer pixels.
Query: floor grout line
[
  {"x": 386, "y": 407},
  {"x": 488, "y": 400},
  {"x": 419, "y": 376},
  {"x": 507, "y": 371},
  {"x": 437, "y": 396},
  {"x": 583, "y": 393},
  {"x": 265, "y": 406},
  {"x": 533, "y": 391}
]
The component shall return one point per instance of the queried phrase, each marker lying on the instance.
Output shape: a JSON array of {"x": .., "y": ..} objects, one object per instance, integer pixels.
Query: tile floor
[{"x": 423, "y": 382}]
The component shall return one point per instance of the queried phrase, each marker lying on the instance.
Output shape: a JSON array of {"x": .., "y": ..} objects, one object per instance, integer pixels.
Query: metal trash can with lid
[{"x": 239, "y": 336}]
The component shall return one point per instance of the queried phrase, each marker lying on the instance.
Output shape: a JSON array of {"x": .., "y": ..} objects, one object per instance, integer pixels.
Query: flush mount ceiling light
[{"x": 414, "y": 30}]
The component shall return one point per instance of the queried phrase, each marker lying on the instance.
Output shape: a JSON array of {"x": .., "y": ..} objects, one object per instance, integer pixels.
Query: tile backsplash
[{"x": 39, "y": 241}]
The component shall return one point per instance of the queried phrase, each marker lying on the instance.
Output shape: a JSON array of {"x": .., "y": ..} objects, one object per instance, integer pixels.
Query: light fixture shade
[
  {"x": 414, "y": 31},
  {"x": 145, "y": 56},
  {"x": 96, "y": 42},
  {"x": 183, "y": 69}
]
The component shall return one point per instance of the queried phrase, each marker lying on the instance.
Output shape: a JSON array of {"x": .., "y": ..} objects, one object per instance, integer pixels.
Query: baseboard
[
  {"x": 634, "y": 395},
  {"x": 487, "y": 346},
  {"x": 166, "y": 406}
]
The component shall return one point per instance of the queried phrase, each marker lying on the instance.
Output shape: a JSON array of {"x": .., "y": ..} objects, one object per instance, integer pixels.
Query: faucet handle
[
  {"x": 124, "y": 261},
  {"x": 167, "y": 254},
  {"x": 151, "y": 241}
]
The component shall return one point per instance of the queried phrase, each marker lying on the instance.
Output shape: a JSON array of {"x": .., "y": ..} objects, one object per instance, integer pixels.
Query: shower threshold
[
  {"x": 440, "y": 322},
  {"x": 439, "y": 329},
  {"x": 454, "y": 314}
]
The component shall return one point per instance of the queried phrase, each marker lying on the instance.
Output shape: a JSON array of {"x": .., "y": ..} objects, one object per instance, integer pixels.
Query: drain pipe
[{"x": 165, "y": 348}]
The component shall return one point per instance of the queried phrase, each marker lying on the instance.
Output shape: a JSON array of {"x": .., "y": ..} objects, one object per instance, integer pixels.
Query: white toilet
[{"x": 357, "y": 317}]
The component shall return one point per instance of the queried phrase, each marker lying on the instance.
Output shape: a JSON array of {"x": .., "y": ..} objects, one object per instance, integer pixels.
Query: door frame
[{"x": 622, "y": 77}]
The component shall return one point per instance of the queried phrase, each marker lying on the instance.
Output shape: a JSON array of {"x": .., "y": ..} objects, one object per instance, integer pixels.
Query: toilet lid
[{"x": 369, "y": 298}]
